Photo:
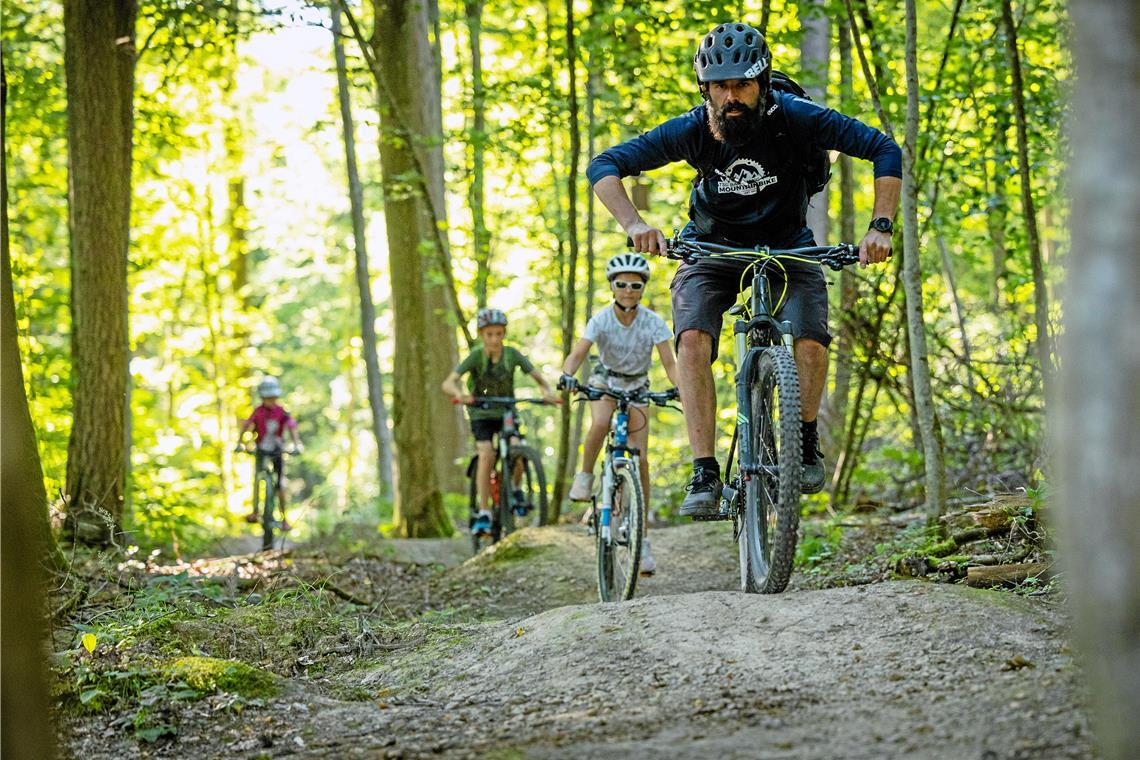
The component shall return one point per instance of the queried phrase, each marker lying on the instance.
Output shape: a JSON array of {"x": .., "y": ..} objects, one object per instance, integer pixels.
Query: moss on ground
[{"x": 209, "y": 674}]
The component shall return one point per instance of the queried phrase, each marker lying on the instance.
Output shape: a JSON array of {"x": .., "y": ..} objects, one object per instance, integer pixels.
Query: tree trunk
[
  {"x": 815, "y": 59},
  {"x": 363, "y": 276},
  {"x": 26, "y": 537},
  {"x": 845, "y": 339},
  {"x": 569, "y": 285},
  {"x": 1094, "y": 427},
  {"x": 480, "y": 237},
  {"x": 912, "y": 282},
  {"x": 1040, "y": 291},
  {"x": 999, "y": 206},
  {"x": 404, "y": 64},
  {"x": 448, "y": 436},
  {"x": 99, "y": 61}
]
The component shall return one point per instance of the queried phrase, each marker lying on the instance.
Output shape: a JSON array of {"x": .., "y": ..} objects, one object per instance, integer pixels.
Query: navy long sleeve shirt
[{"x": 755, "y": 194}]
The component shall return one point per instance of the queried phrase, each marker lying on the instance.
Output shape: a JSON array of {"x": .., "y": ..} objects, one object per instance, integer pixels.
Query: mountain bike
[
  {"x": 265, "y": 493},
  {"x": 762, "y": 498},
  {"x": 619, "y": 525},
  {"x": 518, "y": 482}
]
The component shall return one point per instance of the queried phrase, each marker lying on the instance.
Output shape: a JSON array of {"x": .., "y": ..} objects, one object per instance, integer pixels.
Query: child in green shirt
[{"x": 491, "y": 367}]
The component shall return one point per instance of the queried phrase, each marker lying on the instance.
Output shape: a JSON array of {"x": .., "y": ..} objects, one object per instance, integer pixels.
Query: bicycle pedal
[{"x": 720, "y": 516}]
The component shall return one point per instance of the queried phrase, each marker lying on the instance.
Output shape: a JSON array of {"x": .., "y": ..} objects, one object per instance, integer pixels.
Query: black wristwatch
[{"x": 882, "y": 224}]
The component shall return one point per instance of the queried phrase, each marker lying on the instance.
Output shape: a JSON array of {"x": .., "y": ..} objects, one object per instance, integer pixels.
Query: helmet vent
[
  {"x": 748, "y": 39},
  {"x": 720, "y": 30},
  {"x": 736, "y": 56},
  {"x": 754, "y": 56},
  {"x": 740, "y": 27},
  {"x": 728, "y": 41},
  {"x": 719, "y": 58}
]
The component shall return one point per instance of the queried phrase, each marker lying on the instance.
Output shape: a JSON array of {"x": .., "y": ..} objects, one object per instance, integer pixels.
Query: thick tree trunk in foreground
[
  {"x": 1028, "y": 210},
  {"x": 363, "y": 276},
  {"x": 912, "y": 282},
  {"x": 99, "y": 61},
  {"x": 404, "y": 62},
  {"x": 25, "y": 538},
  {"x": 1095, "y": 429}
]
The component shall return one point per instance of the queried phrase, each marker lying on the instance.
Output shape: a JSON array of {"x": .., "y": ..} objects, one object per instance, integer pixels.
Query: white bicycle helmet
[
  {"x": 632, "y": 263},
  {"x": 486, "y": 317},
  {"x": 269, "y": 387}
]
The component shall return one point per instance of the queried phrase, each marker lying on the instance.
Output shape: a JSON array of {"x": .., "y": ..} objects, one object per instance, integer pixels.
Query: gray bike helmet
[
  {"x": 627, "y": 262},
  {"x": 733, "y": 51},
  {"x": 486, "y": 317},
  {"x": 269, "y": 387}
]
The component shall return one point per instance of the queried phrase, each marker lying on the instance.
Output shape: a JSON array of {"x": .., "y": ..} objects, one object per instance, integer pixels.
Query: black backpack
[{"x": 815, "y": 161}]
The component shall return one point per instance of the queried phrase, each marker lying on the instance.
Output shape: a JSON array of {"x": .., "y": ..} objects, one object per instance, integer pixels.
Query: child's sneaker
[
  {"x": 252, "y": 518},
  {"x": 582, "y": 487},
  {"x": 648, "y": 565},
  {"x": 482, "y": 524}
]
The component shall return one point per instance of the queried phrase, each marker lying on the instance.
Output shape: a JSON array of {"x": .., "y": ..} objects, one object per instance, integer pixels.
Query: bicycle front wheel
[
  {"x": 268, "y": 490},
  {"x": 525, "y": 503},
  {"x": 619, "y": 552},
  {"x": 772, "y": 495}
]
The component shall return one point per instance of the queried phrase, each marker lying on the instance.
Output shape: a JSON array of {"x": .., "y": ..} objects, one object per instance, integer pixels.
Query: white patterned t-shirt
[{"x": 626, "y": 349}]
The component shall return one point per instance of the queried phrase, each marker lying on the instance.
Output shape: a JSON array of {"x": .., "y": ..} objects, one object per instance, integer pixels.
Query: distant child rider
[
  {"x": 270, "y": 421},
  {"x": 625, "y": 335},
  {"x": 491, "y": 367}
]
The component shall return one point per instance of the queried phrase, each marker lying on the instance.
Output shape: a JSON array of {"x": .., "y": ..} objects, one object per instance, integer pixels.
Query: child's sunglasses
[{"x": 634, "y": 286}]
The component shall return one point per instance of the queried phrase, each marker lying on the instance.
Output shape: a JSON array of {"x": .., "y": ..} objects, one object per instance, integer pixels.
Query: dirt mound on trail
[
  {"x": 897, "y": 669},
  {"x": 536, "y": 569}
]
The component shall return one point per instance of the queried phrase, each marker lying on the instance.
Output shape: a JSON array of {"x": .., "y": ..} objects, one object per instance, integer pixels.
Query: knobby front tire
[
  {"x": 267, "y": 488},
  {"x": 532, "y": 483},
  {"x": 772, "y": 497},
  {"x": 619, "y": 558}
]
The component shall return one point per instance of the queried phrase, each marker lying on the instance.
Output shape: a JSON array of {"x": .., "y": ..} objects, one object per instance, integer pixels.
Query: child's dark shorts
[{"x": 484, "y": 429}]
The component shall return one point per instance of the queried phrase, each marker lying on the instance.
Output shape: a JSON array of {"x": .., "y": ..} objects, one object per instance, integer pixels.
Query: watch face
[{"x": 882, "y": 224}]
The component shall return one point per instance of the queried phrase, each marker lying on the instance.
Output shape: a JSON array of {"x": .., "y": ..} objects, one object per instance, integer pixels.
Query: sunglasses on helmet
[{"x": 634, "y": 286}]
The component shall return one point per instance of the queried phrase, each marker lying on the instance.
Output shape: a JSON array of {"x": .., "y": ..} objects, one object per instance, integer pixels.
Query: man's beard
[{"x": 737, "y": 131}]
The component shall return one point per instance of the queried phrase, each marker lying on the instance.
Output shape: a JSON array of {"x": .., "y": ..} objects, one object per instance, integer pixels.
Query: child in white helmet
[
  {"x": 270, "y": 421},
  {"x": 625, "y": 334}
]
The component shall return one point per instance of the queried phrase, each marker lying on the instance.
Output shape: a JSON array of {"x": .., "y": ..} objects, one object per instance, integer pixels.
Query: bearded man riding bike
[{"x": 751, "y": 145}]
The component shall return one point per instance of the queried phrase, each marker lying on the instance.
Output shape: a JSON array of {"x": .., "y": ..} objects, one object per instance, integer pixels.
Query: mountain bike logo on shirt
[{"x": 744, "y": 177}]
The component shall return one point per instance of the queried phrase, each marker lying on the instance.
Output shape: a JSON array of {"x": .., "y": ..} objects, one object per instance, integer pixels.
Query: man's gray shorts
[{"x": 704, "y": 291}]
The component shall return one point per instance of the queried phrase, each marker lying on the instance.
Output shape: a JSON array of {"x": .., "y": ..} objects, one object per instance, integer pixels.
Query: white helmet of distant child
[
  {"x": 269, "y": 387},
  {"x": 631, "y": 263}
]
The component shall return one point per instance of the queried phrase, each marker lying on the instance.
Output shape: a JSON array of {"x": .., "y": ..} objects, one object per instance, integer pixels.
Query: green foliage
[{"x": 241, "y": 260}]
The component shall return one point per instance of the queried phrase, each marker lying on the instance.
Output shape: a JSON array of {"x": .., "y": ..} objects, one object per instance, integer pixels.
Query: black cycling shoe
[
  {"x": 812, "y": 474},
  {"x": 703, "y": 500}
]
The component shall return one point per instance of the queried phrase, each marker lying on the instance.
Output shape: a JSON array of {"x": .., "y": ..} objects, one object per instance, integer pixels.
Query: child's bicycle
[
  {"x": 518, "y": 482},
  {"x": 763, "y": 497},
  {"x": 619, "y": 524},
  {"x": 265, "y": 495}
]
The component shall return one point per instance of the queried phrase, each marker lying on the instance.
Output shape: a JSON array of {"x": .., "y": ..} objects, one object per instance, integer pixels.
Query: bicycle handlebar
[
  {"x": 691, "y": 251},
  {"x": 661, "y": 398}
]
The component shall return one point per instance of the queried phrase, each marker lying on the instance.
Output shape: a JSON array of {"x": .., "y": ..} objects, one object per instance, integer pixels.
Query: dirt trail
[{"x": 691, "y": 668}]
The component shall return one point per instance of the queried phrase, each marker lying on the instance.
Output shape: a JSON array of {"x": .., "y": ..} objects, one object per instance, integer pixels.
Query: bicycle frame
[
  {"x": 619, "y": 455},
  {"x": 750, "y": 338}
]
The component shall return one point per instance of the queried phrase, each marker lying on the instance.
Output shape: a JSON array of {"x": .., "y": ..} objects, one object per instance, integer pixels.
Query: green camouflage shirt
[{"x": 492, "y": 379}]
